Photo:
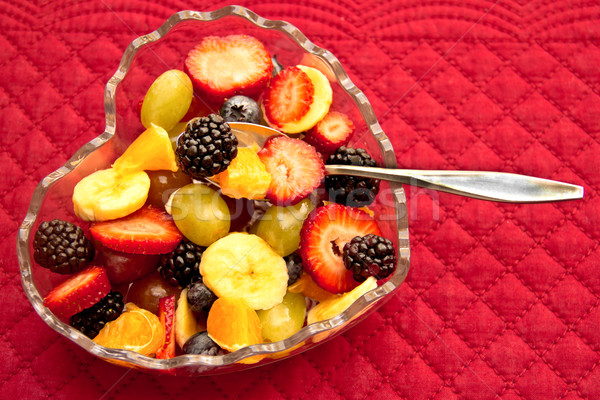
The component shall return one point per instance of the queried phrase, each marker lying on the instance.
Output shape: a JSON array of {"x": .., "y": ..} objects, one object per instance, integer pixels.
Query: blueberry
[
  {"x": 240, "y": 109},
  {"x": 200, "y": 297},
  {"x": 294, "y": 266},
  {"x": 200, "y": 343}
]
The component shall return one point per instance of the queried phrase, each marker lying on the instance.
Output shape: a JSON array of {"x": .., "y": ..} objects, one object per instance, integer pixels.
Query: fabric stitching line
[
  {"x": 546, "y": 17},
  {"x": 506, "y": 112},
  {"x": 537, "y": 136},
  {"x": 384, "y": 24},
  {"x": 26, "y": 365},
  {"x": 321, "y": 376},
  {"x": 452, "y": 4},
  {"x": 50, "y": 84}
]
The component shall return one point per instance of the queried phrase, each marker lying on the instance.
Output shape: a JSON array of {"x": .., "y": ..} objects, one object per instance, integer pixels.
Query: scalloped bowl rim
[{"x": 306, "y": 332}]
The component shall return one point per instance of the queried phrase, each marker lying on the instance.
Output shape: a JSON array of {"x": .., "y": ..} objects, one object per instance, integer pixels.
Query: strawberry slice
[
  {"x": 77, "y": 293},
  {"x": 295, "y": 166},
  {"x": 166, "y": 315},
  {"x": 289, "y": 96},
  {"x": 146, "y": 231},
  {"x": 322, "y": 238},
  {"x": 221, "y": 67},
  {"x": 331, "y": 132}
]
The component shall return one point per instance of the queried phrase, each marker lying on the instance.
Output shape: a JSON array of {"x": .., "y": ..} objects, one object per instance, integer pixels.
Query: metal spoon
[{"x": 485, "y": 185}]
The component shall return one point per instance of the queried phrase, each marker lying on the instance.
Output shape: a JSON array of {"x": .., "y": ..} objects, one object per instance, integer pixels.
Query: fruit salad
[{"x": 165, "y": 268}]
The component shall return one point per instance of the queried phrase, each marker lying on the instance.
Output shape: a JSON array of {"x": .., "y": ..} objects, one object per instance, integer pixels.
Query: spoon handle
[{"x": 485, "y": 185}]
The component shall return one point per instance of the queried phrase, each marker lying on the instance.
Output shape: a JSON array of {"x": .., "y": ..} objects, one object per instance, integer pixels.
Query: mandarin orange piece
[
  {"x": 309, "y": 288},
  {"x": 232, "y": 324},
  {"x": 246, "y": 177},
  {"x": 152, "y": 150},
  {"x": 136, "y": 329}
]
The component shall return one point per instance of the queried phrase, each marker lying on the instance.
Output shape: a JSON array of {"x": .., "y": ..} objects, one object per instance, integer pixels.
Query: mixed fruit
[{"x": 167, "y": 268}]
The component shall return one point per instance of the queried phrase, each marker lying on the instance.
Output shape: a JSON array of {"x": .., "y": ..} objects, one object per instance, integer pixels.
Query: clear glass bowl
[{"x": 144, "y": 60}]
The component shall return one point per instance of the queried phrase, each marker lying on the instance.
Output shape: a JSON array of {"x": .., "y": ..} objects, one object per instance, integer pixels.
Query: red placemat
[{"x": 500, "y": 301}]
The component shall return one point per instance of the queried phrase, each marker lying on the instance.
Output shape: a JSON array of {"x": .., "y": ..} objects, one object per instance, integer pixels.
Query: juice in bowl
[{"x": 205, "y": 256}]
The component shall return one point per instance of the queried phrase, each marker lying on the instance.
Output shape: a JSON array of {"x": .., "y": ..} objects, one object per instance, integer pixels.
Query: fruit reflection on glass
[{"x": 198, "y": 274}]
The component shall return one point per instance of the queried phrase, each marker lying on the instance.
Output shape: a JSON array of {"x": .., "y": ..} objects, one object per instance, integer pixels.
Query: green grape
[
  {"x": 200, "y": 213},
  {"x": 283, "y": 320},
  {"x": 167, "y": 100},
  {"x": 280, "y": 226}
]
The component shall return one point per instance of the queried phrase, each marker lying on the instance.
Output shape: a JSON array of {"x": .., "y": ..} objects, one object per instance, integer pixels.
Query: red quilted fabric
[{"x": 501, "y": 301}]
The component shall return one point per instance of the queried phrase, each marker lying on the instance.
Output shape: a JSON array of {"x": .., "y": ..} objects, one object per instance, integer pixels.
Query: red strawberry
[
  {"x": 166, "y": 314},
  {"x": 221, "y": 67},
  {"x": 146, "y": 231},
  {"x": 289, "y": 96},
  {"x": 77, "y": 293},
  {"x": 331, "y": 132},
  {"x": 322, "y": 238},
  {"x": 296, "y": 169}
]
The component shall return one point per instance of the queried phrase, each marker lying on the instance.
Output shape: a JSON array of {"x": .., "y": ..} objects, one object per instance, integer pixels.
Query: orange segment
[
  {"x": 136, "y": 330},
  {"x": 245, "y": 177},
  {"x": 152, "y": 151},
  {"x": 232, "y": 324},
  {"x": 338, "y": 304},
  {"x": 309, "y": 288}
]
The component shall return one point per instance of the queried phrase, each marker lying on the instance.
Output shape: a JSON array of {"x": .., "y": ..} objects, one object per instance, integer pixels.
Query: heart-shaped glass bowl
[{"x": 144, "y": 60}]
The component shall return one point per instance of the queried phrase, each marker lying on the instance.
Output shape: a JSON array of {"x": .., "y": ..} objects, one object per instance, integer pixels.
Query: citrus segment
[
  {"x": 136, "y": 329},
  {"x": 337, "y": 305},
  {"x": 232, "y": 324},
  {"x": 246, "y": 176},
  {"x": 152, "y": 151},
  {"x": 310, "y": 289}
]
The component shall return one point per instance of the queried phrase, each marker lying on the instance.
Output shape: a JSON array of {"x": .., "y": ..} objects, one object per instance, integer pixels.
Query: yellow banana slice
[
  {"x": 244, "y": 266},
  {"x": 337, "y": 305},
  {"x": 151, "y": 151},
  {"x": 105, "y": 194}
]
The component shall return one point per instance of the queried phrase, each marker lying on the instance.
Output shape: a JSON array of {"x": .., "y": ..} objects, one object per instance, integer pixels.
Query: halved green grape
[
  {"x": 167, "y": 100},
  {"x": 283, "y": 320},
  {"x": 280, "y": 226},
  {"x": 200, "y": 213}
]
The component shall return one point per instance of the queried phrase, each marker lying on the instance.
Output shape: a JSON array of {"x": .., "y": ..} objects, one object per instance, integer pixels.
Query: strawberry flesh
[
  {"x": 296, "y": 169},
  {"x": 331, "y": 132},
  {"x": 289, "y": 96},
  {"x": 221, "y": 67},
  {"x": 146, "y": 231},
  {"x": 166, "y": 315},
  {"x": 322, "y": 238},
  {"x": 77, "y": 293}
]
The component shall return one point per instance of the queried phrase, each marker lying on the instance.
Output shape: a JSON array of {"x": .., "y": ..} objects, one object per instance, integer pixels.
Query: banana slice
[
  {"x": 337, "y": 305},
  {"x": 105, "y": 194},
  {"x": 244, "y": 266}
]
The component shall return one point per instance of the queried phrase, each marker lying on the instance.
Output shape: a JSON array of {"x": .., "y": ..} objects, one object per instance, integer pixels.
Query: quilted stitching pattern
[{"x": 501, "y": 300}]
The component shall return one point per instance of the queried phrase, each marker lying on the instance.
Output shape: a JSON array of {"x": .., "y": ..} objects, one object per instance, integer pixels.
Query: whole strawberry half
[
  {"x": 149, "y": 230},
  {"x": 295, "y": 166},
  {"x": 331, "y": 132},
  {"x": 322, "y": 238},
  {"x": 221, "y": 67},
  {"x": 77, "y": 293}
]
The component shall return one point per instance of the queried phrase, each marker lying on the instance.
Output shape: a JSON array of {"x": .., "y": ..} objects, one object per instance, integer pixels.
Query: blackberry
[
  {"x": 200, "y": 297},
  {"x": 206, "y": 147},
  {"x": 294, "y": 267},
  {"x": 369, "y": 255},
  {"x": 182, "y": 266},
  {"x": 62, "y": 247},
  {"x": 91, "y": 320},
  {"x": 201, "y": 343},
  {"x": 349, "y": 190}
]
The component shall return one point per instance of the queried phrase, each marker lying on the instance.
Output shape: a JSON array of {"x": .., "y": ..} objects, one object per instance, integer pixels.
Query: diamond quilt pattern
[{"x": 501, "y": 301}]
